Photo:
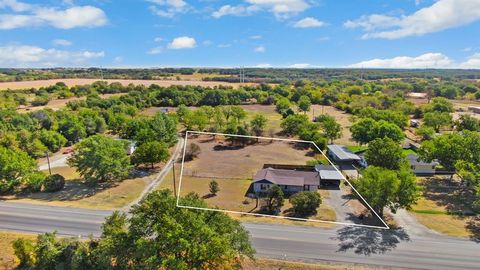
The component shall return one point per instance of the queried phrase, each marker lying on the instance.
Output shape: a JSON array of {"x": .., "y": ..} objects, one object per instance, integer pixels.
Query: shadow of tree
[
  {"x": 369, "y": 241},
  {"x": 74, "y": 190},
  {"x": 447, "y": 192},
  {"x": 473, "y": 225}
]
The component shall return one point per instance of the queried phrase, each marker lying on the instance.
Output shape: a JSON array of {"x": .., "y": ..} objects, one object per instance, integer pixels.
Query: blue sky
[{"x": 263, "y": 33}]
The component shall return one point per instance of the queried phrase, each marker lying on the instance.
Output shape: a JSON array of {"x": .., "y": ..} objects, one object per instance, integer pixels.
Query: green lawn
[{"x": 357, "y": 148}]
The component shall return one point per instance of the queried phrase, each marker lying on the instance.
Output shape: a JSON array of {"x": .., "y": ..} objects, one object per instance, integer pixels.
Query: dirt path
[{"x": 161, "y": 175}]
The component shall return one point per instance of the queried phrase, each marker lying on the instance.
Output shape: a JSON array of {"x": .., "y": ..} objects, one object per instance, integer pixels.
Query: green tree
[
  {"x": 274, "y": 199},
  {"x": 437, "y": 120},
  {"x": 305, "y": 203},
  {"x": 304, "y": 104},
  {"x": 52, "y": 139},
  {"x": 426, "y": 132},
  {"x": 213, "y": 187},
  {"x": 331, "y": 129},
  {"x": 467, "y": 122},
  {"x": 54, "y": 182},
  {"x": 15, "y": 167},
  {"x": 258, "y": 124},
  {"x": 190, "y": 239},
  {"x": 293, "y": 124},
  {"x": 282, "y": 105},
  {"x": 150, "y": 153},
  {"x": 385, "y": 153},
  {"x": 100, "y": 158},
  {"x": 362, "y": 130},
  {"x": 385, "y": 188}
]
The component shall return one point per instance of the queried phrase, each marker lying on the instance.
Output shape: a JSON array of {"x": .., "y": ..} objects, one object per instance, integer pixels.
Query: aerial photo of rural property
[{"x": 243, "y": 134}]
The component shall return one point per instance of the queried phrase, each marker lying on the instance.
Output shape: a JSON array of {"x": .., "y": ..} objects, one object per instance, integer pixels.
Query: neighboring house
[
  {"x": 421, "y": 167},
  {"x": 474, "y": 109},
  {"x": 329, "y": 175},
  {"x": 342, "y": 155},
  {"x": 290, "y": 181},
  {"x": 417, "y": 95}
]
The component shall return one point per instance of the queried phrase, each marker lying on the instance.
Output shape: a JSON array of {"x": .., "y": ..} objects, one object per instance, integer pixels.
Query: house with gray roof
[
  {"x": 291, "y": 181},
  {"x": 329, "y": 175},
  {"x": 421, "y": 167},
  {"x": 341, "y": 154}
]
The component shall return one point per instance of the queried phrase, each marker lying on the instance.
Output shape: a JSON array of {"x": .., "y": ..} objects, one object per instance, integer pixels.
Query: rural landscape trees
[{"x": 190, "y": 240}]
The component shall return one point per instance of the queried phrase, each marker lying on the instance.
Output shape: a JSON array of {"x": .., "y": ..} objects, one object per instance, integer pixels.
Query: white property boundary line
[{"x": 264, "y": 215}]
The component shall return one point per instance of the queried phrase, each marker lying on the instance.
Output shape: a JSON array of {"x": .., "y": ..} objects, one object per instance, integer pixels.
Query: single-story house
[
  {"x": 329, "y": 175},
  {"x": 421, "y": 167},
  {"x": 417, "y": 95},
  {"x": 474, "y": 109},
  {"x": 291, "y": 181},
  {"x": 341, "y": 154}
]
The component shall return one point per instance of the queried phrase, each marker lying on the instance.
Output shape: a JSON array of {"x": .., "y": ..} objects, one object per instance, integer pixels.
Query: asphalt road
[{"x": 341, "y": 244}]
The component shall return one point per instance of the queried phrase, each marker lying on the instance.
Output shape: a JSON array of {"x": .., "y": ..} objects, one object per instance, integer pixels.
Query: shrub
[
  {"x": 193, "y": 150},
  {"x": 305, "y": 203},
  {"x": 25, "y": 252},
  {"x": 35, "y": 181},
  {"x": 54, "y": 182},
  {"x": 214, "y": 188}
]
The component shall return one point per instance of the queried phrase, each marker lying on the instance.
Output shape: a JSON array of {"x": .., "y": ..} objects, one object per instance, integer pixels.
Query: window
[{"x": 263, "y": 186}]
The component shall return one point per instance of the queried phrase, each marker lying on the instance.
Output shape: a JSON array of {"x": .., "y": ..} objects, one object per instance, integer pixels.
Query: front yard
[{"x": 445, "y": 207}]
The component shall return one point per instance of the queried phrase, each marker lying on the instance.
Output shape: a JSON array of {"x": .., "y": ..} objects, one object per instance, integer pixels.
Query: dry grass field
[
  {"x": 218, "y": 159},
  {"x": 8, "y": 260},
  {"x": 441, "y": 199},
  {"x": 73, "y": 82},
  {"x": 342, "y": 118}
]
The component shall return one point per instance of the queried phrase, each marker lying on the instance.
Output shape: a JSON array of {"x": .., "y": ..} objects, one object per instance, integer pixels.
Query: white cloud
[
  {"x": 182, "y": 43},
  {"x": 427, "y": 60},
  {"x": 234, "y": 11},
  {"x": 15, "y": 5},
  {"x": 263, "y": 65},
  {"x": 282, "y": 9},
  {"x": 207, "y": 43},
  {"x": 156, "y": 50},
  {"x": 158, "y": 39},
  {"x": 255, "y": 37},
  {"x": 301, "y": 65},
  {"x": 62, "y": 42},
  {"x": 32, "y": 56},
  {"x": 259, "y": 49},
  {"x": 168, "y": 8},
  {"x": 224, "y": 45},
  {"x": 473, "y": 62},
  {"x": 443, "y": 14},
  {"x": 308, "y": 22},
  {"x": 36, "y": 15}
]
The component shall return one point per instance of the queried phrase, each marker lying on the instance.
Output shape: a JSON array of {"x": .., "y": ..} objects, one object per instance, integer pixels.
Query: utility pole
[{"x": 48, "y": 161}]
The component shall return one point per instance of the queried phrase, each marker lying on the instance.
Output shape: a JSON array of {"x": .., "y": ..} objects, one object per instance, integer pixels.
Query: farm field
[
  {"x": 56, "y": 104},
  {"x": 73, "y": 82}
]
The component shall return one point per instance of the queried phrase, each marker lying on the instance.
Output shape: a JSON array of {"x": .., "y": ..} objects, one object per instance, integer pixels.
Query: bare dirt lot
[
  {"x": 217, "y": 159},
  {"x": 73, "y": 82}
]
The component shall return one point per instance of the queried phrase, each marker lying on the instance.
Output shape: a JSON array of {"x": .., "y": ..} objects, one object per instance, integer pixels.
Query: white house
[{"x": 421, "y": 167}]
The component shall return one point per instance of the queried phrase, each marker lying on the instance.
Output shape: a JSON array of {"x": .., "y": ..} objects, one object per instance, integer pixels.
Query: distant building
[
  {"x": 417, "y": 95},
  {"x": 474, "y": 109},
  {"x": 421, "y": 167}
]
